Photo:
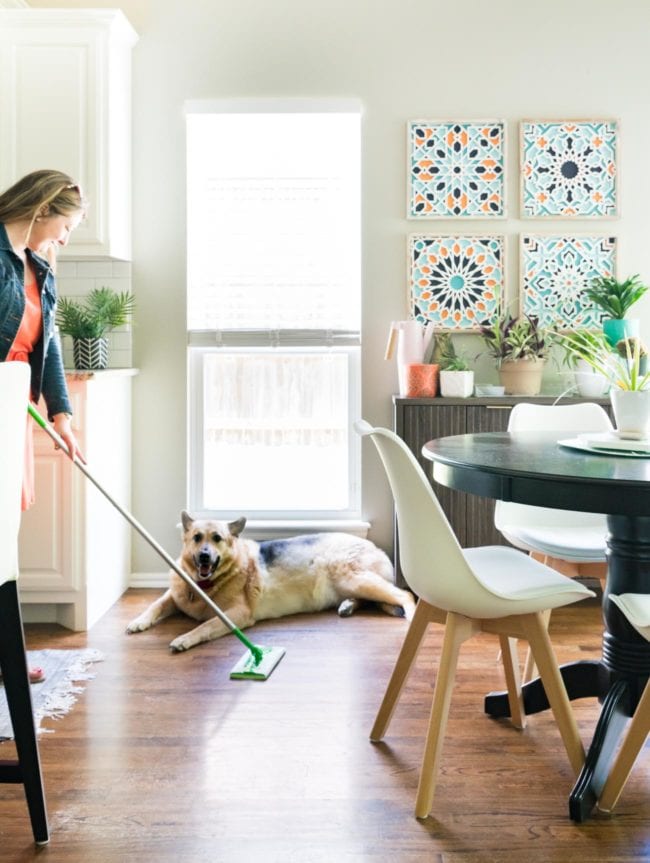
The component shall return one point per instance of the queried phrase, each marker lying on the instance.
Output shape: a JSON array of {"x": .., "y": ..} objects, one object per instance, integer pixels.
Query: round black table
[{"x": 532, "y": 468}]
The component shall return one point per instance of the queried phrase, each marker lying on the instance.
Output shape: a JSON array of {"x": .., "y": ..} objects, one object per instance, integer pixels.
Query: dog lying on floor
[{"x": 253, "y": 581}]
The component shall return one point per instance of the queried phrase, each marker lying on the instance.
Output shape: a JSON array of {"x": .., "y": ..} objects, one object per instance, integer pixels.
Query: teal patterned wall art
[
  {"x": 568, "y": 169},
  {"x": 455, "y": 282},
  {"x": 456, "y": 168},
  {"x": 555, "y": 270}
]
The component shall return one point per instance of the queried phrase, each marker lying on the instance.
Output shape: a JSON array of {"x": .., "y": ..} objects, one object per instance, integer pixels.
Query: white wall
[{"x": 404, "y": 59}]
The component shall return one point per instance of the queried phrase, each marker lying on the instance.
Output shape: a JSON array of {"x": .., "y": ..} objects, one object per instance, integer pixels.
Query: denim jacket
[{"x": 47, "y": 378}]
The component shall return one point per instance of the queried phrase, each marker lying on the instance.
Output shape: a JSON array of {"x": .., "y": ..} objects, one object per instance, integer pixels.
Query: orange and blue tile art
[
  {"x": 556, "y": 270},
  {"x": 456, "y": 169},
  {"x": 568, "y": 169},
  {"x": 455, "y": 282}
]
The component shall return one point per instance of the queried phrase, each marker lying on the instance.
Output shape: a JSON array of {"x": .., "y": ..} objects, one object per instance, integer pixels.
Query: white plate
[{"x": 577, "y": 443}]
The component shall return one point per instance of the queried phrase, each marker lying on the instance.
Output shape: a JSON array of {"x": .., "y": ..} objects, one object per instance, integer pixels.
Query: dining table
[{"x": 535, "y": 468}]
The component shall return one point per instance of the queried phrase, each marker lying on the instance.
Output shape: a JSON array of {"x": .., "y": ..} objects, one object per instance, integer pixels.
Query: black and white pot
[{"x": 90, "y": 353}]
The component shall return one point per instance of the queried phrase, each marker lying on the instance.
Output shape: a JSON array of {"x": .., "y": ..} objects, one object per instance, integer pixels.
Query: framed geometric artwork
[
  {"x": 555, "y": 270},
  {"x": 456, "y": 169},
  {"x": 568, "y": 169},
  {"x": 455, "y": 282}
]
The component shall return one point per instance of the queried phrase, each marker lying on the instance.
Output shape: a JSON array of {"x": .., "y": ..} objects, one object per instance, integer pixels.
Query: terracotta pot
[
  {"x": 522, "y": 377},
  {"x": 421, "y": 380}
]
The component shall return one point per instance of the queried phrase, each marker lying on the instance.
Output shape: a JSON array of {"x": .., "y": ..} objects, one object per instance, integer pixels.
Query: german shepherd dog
[{"x": 253, "y": 581}]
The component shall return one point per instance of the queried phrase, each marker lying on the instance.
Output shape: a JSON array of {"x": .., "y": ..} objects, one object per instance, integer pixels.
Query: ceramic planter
[
  {"x": 522, "y": 377},
  {"x": 615, "y": 329},
  {"x": 421, "y": 380},
  {"x": 631, "y": 411},
  {"x": 458, "y": 385},
  {"x": 90, "y": 353},
  {"x": 589, "y": 382}
]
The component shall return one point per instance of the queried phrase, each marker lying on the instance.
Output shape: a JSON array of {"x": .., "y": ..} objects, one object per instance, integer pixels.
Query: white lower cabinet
[{"x": 75, "y": 547}]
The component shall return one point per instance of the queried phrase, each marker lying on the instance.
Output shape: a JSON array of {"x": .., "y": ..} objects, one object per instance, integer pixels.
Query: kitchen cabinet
[
  {"x": 65, "y": 93},
  {"x": 418, "y": 420},
  {"x": 74, "y": 546}
]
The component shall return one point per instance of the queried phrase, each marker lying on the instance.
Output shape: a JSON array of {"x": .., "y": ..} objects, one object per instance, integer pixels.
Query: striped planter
[{"x": 90, "y": 353}]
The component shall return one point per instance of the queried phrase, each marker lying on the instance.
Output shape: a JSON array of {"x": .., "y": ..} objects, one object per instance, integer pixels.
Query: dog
[{"x": 253, "y": 581}]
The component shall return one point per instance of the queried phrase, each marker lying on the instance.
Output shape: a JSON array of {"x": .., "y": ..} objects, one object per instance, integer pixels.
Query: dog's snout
[{"x": 204, "y": 557}]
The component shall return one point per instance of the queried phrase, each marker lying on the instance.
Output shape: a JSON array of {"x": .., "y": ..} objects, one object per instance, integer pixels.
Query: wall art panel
[
  {"x": 568, "y": 169},
  {"x": 455, "y": 281},
  {"x": 456, "y": 169},
  {"x": 555, "y": 270}
]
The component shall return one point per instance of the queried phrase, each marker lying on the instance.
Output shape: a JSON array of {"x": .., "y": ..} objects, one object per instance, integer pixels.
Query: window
[{"x": 273, "y": 308}]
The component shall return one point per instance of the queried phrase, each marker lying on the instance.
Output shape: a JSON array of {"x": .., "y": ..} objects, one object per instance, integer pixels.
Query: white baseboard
[{"x": 149, "y": 579}]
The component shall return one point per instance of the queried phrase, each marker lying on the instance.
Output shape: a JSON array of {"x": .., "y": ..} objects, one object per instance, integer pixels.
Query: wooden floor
[{"x": 165, "y": 759}]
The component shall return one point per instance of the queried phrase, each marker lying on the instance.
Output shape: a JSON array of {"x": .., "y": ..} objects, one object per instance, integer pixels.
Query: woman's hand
[{"x": 63, "y": 428}]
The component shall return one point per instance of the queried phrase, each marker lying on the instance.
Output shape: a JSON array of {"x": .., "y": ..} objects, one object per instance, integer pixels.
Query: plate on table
[{"x": 608, "y": 444}]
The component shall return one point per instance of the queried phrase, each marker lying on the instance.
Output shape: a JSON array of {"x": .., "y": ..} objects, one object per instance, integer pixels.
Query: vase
[
  {"x": 90, "y": 353},
  {"x": 456, "y": 384},
  {"x": 522, "y": 377},
  {"x": 631, "y": 412},
  {"x": 590, "y": 383},
  {"x": 421, "y": 380},
  {"x": 615, "y": 329}
]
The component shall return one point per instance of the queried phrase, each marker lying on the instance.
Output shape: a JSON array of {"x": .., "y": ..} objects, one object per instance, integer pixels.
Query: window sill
[{"x": 259, "y": 529}]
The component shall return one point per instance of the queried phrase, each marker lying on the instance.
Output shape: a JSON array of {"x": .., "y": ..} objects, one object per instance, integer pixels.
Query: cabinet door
[{"x": 65, "y": 91}]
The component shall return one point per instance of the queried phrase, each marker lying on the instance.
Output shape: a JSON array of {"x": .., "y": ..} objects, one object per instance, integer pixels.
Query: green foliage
[
  {"x": 613, "y": 297},
  {"x": 622, "y": 370},
  {"x": 102, "y": 310},
  {"x": 511, "y": 338},
  {"x": 457, "y": 363}
]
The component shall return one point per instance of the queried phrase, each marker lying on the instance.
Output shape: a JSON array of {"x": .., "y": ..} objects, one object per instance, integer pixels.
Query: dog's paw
[
  {"x": 139, "y": 624},
  {"x": 178, "y": 645},
  {"x": 348, "y": 607}
]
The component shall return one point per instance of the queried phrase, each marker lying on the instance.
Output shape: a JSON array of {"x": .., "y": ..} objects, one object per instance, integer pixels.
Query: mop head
[{"x": 257, "y": 665}]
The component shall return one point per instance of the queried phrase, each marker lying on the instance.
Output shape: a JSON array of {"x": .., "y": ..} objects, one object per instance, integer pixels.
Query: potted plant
[
  {"x": 456, "y": 377},
  {"x": 630, "y": 387},
  {"x": 615, "y": 299},
  {"x": 578, "y": 347},
  {"x": 520, "y": 346},
  {"x": 87, "y": 322}
]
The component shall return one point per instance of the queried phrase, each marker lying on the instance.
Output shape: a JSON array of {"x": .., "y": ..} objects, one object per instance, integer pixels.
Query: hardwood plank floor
[{"x": 164, "y": 758}]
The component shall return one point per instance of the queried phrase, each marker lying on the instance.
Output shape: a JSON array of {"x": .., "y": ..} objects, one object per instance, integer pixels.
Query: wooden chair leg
[
  {"x": 536, "y": 632},
  {"x": 13, "y": 664},
  {"x": 635, "y": 737},
  {"x": 457, "y": 630},
  {"x": 529, "y": 664},
  {"x": 510, "y": 661},
  {"x": 417, "y": 628}
]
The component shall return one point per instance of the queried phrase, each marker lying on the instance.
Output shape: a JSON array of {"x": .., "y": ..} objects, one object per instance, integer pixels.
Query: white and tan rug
[{"x": 56, "y": 695}]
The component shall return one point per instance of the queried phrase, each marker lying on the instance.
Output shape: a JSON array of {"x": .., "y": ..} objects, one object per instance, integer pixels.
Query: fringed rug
[{"x": 56, "y": 695}]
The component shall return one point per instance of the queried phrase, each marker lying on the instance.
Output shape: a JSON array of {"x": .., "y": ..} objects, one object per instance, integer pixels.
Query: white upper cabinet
[{"x": 65, "y": 103}]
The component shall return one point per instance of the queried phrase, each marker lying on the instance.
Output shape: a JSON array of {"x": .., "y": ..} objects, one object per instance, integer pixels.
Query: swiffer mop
[{"x": 259, "y": 662}]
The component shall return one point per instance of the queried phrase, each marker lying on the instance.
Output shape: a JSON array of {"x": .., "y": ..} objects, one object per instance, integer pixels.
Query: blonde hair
[{"x": 41, "y": 193}]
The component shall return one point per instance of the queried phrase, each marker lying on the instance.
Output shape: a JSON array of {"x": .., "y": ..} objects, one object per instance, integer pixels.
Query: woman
[{"x": 37, "y": 214}]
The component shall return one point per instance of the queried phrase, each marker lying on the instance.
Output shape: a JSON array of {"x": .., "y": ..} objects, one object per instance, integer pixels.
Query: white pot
[
  {"x": 589, "y": 382},
  {"x": 458, "y": 385},
  {"x": 631, "y": 411}
]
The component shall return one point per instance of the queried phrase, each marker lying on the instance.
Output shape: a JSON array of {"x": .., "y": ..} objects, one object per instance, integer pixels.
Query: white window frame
[{"x": 200, "y": 342}]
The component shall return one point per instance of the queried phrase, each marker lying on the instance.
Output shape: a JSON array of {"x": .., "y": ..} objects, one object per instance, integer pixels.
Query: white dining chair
[
  {"x": 492, "y": 589},
  {"x": 636, "y": 608},
  {"x": 26, "y": 769},
  {"x": 555, "y": 535}
]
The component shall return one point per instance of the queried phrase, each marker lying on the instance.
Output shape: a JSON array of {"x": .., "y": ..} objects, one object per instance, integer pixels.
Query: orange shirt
[{"x": 29, "y": 332}]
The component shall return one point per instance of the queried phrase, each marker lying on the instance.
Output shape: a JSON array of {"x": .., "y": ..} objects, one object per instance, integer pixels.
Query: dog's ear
[
  {"x": 187, "y": 520},
  {"x": 236, "y": 527}
]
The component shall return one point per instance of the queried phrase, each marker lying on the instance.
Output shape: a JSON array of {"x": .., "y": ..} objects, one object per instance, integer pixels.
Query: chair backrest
[
  {"x": 431, "y": 558},
  {"x": 582, "y": 417},
  {"x": 14, "y": 396}
]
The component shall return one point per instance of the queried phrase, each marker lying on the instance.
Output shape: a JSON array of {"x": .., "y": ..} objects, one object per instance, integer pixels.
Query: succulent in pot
[
  {"x": 615, "y": 298},
  {"x": 520, "y": 346}
]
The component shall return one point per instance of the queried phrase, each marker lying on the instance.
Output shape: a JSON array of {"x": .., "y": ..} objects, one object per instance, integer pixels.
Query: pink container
[{"x": 421, "y": 380}]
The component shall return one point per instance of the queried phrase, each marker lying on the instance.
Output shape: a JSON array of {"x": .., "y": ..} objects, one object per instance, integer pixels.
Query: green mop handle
[{"x": 254, "y": 649}]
